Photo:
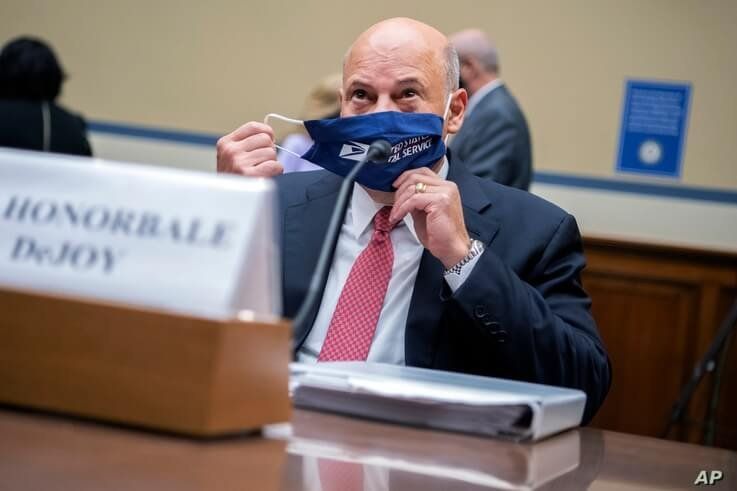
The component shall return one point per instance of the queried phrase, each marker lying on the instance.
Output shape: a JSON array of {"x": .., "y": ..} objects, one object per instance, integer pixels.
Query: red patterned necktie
[{"x": 354, "y": 320}]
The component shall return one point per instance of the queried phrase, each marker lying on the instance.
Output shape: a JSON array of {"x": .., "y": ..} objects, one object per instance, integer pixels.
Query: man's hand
[
  {"x": 249, "y": 151},
  {"x": 437, "y": 214}
]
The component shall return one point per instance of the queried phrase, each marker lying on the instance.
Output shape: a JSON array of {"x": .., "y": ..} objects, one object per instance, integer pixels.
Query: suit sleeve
[
  {"x": 493, "y": 151},
  {"x": 542, "y": 323}
]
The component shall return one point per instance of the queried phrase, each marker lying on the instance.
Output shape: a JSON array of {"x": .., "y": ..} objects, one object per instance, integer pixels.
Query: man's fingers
[
  {"x": 251, "y": 145},
  {"x": 415, "y": 202},
  {"x": 430, "y": 184},
  {"x": 249, "y": 129},
  {"x": 270, "y": 168},
  {"x": 448, "y": 188},
  {"x": 255, "y": 157},
  {"x": 409, "y": 189},
  {"x": 274, "y": 167},
  {"x": 254, "y": 142},
  {"x": 422, "y": 171},
  {"x": 402, "y": 195},
  {"x": 418, "y": 175},
  {"x": 433, "y": 184}
]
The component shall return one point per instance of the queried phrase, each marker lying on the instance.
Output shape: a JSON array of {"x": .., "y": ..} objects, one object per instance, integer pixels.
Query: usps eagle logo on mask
[{"x": 354, "y": 151}]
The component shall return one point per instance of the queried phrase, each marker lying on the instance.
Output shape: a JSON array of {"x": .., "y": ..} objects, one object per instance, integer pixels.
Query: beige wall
[{"x": 209, "y": 66}]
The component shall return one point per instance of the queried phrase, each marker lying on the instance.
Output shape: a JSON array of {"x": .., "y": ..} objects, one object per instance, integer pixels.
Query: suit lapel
[
  {"x": 426, "y": 309},
  {"x": 305, "y": 224}
]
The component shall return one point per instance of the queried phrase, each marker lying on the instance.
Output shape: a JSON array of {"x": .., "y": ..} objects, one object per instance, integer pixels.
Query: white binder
[{"x": 436, "y": 399}]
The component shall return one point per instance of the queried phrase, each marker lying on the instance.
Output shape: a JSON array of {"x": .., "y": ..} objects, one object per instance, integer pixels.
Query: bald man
[
  {"x": 448, "y": 270},
  {"x": 494, "y": 142}
]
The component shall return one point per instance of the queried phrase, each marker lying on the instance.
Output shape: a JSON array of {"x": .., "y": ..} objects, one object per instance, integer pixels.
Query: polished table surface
[{"x": 325, "y": 452}]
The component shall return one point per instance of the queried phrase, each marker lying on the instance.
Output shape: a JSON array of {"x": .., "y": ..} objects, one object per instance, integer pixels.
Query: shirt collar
[
  {"x": 479, "y": 94},
  {"x": 363, "y": 208}
]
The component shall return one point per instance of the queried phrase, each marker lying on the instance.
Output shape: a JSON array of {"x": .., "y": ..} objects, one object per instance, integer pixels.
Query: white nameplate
[{"x": 172, "y": 240}]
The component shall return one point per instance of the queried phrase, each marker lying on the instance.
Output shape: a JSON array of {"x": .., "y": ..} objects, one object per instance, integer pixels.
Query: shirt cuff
[{"x": 455, "y": 281}]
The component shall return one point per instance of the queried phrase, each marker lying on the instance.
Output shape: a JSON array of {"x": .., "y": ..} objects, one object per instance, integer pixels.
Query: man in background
[
  {"x": 30, "y": 82},
  {"x": 494, "y": 141}
]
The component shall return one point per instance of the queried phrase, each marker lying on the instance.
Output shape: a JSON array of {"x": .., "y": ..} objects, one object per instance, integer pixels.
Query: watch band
[{"x": 476, "y": 247}]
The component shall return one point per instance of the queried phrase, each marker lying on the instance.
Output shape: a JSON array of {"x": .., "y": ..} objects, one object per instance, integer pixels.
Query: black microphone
[{"x": 378, "y": 152}]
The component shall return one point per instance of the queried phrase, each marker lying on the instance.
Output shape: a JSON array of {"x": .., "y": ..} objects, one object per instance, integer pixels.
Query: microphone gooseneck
[{"x": 377, "y": 152}]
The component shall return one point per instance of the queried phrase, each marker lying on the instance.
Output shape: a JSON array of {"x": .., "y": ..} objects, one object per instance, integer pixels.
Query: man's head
[
  {"x": 404, "y": 65},
  {"x": 478, "y": 56}
]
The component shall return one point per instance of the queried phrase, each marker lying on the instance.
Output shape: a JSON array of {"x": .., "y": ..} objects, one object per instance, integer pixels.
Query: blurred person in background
[
  {"x": 30, "y": 82},
  {"x": 494, "y": 141},
  {"x": 322, "y": 102}
]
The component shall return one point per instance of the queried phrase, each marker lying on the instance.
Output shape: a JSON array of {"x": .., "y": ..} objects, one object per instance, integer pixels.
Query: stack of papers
[{"x": 436, "y": 399}]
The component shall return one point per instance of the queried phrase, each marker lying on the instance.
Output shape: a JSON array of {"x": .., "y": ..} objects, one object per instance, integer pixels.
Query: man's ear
[{"x": 456, "y": 111}]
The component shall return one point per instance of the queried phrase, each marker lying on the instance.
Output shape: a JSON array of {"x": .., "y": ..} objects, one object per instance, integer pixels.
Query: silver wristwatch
[{"x": 476, "y": 247}]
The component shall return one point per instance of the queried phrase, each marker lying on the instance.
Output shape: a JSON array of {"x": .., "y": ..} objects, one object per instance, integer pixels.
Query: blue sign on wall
[{"x": 654, "y": 121}]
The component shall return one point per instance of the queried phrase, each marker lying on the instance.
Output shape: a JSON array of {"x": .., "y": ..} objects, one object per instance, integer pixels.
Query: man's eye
[
  {"x": 359, "y": 94},
  {"x": 409, "y": 93}
]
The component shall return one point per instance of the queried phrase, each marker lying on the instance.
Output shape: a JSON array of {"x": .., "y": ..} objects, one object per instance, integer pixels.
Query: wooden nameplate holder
[{"x": 141, "y": 367}]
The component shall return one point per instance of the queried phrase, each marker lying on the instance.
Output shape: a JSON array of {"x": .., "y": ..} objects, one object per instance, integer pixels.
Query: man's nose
[{"x": 385, "y": 103}]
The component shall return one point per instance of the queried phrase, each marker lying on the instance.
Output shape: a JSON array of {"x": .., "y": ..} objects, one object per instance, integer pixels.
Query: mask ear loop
[
  {"x": 286, "y": 120},
  {"x": 283, "y": 118},
  {"x": 445, "y": 116}
]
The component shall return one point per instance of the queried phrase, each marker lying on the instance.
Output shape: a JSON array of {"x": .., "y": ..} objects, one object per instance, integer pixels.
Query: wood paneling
[
  {"x": 647, "y": 339},
  {"x": 658, "y": 308}
]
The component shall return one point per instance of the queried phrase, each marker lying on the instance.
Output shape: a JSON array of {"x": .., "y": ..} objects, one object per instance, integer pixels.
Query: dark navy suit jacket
[{"x": 521, "y": 314}]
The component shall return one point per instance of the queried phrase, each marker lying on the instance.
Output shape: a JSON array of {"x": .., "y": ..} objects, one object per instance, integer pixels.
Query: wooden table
[{"x": 45, "y": 452}]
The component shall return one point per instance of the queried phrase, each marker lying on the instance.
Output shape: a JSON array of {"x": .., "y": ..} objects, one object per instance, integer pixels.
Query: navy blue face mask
[{"x": 340, "y": 143}]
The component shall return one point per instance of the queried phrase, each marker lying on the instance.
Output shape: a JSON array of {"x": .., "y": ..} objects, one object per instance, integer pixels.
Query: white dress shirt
[
  {"x": 481, "y": 93},
  {"x": 388, "y": 342}
]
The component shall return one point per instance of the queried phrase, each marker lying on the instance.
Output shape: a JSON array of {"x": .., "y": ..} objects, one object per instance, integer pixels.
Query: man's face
[{"x": 389, "y": 75}]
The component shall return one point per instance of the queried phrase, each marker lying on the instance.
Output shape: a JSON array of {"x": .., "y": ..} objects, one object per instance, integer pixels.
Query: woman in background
[{"x": 30, "y": 82}]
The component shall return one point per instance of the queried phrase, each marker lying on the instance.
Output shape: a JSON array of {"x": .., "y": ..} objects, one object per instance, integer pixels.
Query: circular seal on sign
[{"x": 650, "y": 152}]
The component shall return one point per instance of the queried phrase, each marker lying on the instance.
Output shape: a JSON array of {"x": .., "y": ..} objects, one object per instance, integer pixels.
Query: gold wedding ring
[{"x": 420, "y": 187}]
